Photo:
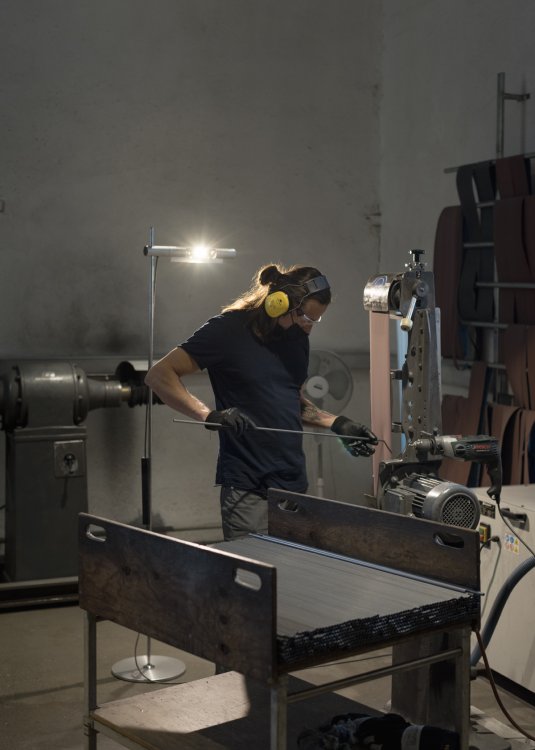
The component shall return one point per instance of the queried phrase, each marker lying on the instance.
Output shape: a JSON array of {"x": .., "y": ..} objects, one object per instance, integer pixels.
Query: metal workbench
[{"x": 330, "y": 580}]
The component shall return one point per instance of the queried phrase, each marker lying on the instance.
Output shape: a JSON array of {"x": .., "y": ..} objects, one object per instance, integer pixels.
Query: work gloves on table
[
  {"x": 233, "y": 418},
  {"x": 363, "y": 438}
]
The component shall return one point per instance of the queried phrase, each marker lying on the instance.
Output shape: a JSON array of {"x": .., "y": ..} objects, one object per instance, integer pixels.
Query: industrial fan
[{"x": 329, "y": 386}]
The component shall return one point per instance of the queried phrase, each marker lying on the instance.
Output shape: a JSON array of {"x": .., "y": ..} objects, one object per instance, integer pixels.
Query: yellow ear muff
[{"x": 276, "y": 304}]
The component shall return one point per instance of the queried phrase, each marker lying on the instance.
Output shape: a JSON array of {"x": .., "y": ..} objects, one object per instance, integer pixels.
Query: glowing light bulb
[{"x": 201, "y": 253}]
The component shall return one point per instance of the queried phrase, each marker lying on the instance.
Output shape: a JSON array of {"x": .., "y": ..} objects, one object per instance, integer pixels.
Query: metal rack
[{"x": 491, "y": 328}]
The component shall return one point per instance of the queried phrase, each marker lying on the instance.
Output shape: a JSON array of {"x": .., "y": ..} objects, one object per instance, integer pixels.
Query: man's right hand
[{"x": 232, "y": 418}]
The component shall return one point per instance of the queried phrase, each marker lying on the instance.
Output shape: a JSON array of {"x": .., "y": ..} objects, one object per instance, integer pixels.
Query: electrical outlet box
[{"x": 484, "y": 532}]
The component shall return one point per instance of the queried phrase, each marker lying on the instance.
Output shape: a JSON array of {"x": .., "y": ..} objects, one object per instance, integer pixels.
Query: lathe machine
[{"x": 43, "y": 406}]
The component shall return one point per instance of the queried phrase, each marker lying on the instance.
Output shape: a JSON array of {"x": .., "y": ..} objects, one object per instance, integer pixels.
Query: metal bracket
[{"x": 503, "y": 96}]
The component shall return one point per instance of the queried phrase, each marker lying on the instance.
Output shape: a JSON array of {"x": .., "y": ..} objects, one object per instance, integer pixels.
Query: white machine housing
[{"x": 511, "y": 649}]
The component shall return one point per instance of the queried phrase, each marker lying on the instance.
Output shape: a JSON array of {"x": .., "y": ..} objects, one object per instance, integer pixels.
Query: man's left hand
[{"x": 346, "y": 428}]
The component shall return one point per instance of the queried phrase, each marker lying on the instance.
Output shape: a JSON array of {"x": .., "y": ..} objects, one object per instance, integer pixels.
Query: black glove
[
  {"x": 233, "y": 418},
  {"x": 346, "y": 428}
]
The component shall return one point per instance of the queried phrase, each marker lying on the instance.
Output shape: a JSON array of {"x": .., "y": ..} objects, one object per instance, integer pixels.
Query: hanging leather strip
[
  {"x": 465, "y": 190},
  {"x": 467, "y": 418},
  {"x": 531, "y": 457},
  {"x": 513, "y": 176},
  {"x": 501, "y": 426},
  {"x": 452, "y": 411},
  {"x": 447, "y": 270},
  {"x": 485, "y": 182},
  {"x": 529, "y": 235},
  {"x": 517, "y": 457},
  {"x": 452, "y": 408},
  {"x": 529, "y": 247},
  {"x": 516, "y": 306},
  {"x": 528, "y": 468},
  {"x": 530, "y": 360},
  {"x": 476, "y": 303},
  {"x": 478, "y": 262},
  {"x": 515, "y": 353},
  {"x": 505, "y": 213},
  {"x": 464, "y": 416},
  {"x": 477, "y": 398}
]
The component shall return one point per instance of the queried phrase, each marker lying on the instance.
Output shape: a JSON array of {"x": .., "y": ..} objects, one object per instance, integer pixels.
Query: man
[{"x": 256, "y": 354}]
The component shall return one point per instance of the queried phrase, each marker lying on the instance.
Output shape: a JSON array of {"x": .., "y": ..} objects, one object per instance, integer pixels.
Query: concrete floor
[{"x": 41, "y": 685}]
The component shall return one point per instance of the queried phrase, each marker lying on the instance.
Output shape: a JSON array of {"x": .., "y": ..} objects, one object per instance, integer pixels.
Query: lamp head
[{"x": 199, "y": 253}]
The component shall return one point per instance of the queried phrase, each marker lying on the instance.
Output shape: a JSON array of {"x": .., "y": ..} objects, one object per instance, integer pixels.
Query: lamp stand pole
[{"x": 148, "y": 668}]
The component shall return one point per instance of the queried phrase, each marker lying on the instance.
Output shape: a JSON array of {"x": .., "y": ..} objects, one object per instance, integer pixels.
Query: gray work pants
[{"x": 242, "y": 512}]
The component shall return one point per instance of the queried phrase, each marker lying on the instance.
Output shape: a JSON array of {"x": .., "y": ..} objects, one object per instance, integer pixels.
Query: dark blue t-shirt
[{"x": 262, "y": 379}]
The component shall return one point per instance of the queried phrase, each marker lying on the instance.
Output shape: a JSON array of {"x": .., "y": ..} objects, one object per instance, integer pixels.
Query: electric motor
[{"x": 434, "y": 499}]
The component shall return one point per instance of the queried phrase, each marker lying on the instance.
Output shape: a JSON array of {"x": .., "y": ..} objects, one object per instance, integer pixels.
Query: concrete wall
[
  {"x": 251, "y": 124},
  {"x": 254, "y": 125}
]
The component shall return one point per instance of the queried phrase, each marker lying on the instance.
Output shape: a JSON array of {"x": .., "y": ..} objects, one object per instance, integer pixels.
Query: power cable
[{"x": 495, "y": 690}]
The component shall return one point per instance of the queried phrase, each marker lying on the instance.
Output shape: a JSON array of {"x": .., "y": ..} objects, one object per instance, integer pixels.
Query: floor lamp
[{"x": 149, "y": 668}]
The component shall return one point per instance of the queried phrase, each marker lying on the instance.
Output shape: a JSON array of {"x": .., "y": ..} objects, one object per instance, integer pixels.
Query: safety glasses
[{"x": 301, "y": 314}]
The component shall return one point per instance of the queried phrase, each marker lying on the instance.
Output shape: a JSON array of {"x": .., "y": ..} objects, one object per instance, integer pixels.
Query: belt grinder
[{"x": 410, "y": 484}]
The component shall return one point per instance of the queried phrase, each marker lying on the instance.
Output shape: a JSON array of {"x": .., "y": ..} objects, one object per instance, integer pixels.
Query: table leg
[
  {"x": 279, "y": 714},
  {"x": 438, "y": 694}
]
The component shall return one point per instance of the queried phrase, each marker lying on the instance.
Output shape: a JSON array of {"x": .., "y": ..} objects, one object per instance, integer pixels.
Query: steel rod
[
  {"x": 505, "y": 284},
  {"x": 374, "y": 674},
  {"x": 276, "y": 429},
  {"x": 148, "y": 668},
  {"x": 469, "y": 362},
  {"x": 500, "y": 115},
  {"x": 483, "y": 324}
]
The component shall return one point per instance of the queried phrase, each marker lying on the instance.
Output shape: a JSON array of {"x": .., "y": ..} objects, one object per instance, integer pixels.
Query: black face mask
[
  {"x": 295, "y": 332},
  {"x": 292, "y": 333}
]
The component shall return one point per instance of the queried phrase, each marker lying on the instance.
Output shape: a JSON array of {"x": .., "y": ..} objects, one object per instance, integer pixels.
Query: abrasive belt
[
  {"x": 512, "y": 176},
  {"x": 380, "y": 389},
  {"x": 464, "y": 416},
  {"x": 447, "y": 270},
  {"x": 478, "y": 262}
]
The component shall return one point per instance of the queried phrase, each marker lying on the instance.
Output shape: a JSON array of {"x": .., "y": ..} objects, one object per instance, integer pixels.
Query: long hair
[{"x": 269, "y": 279}]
